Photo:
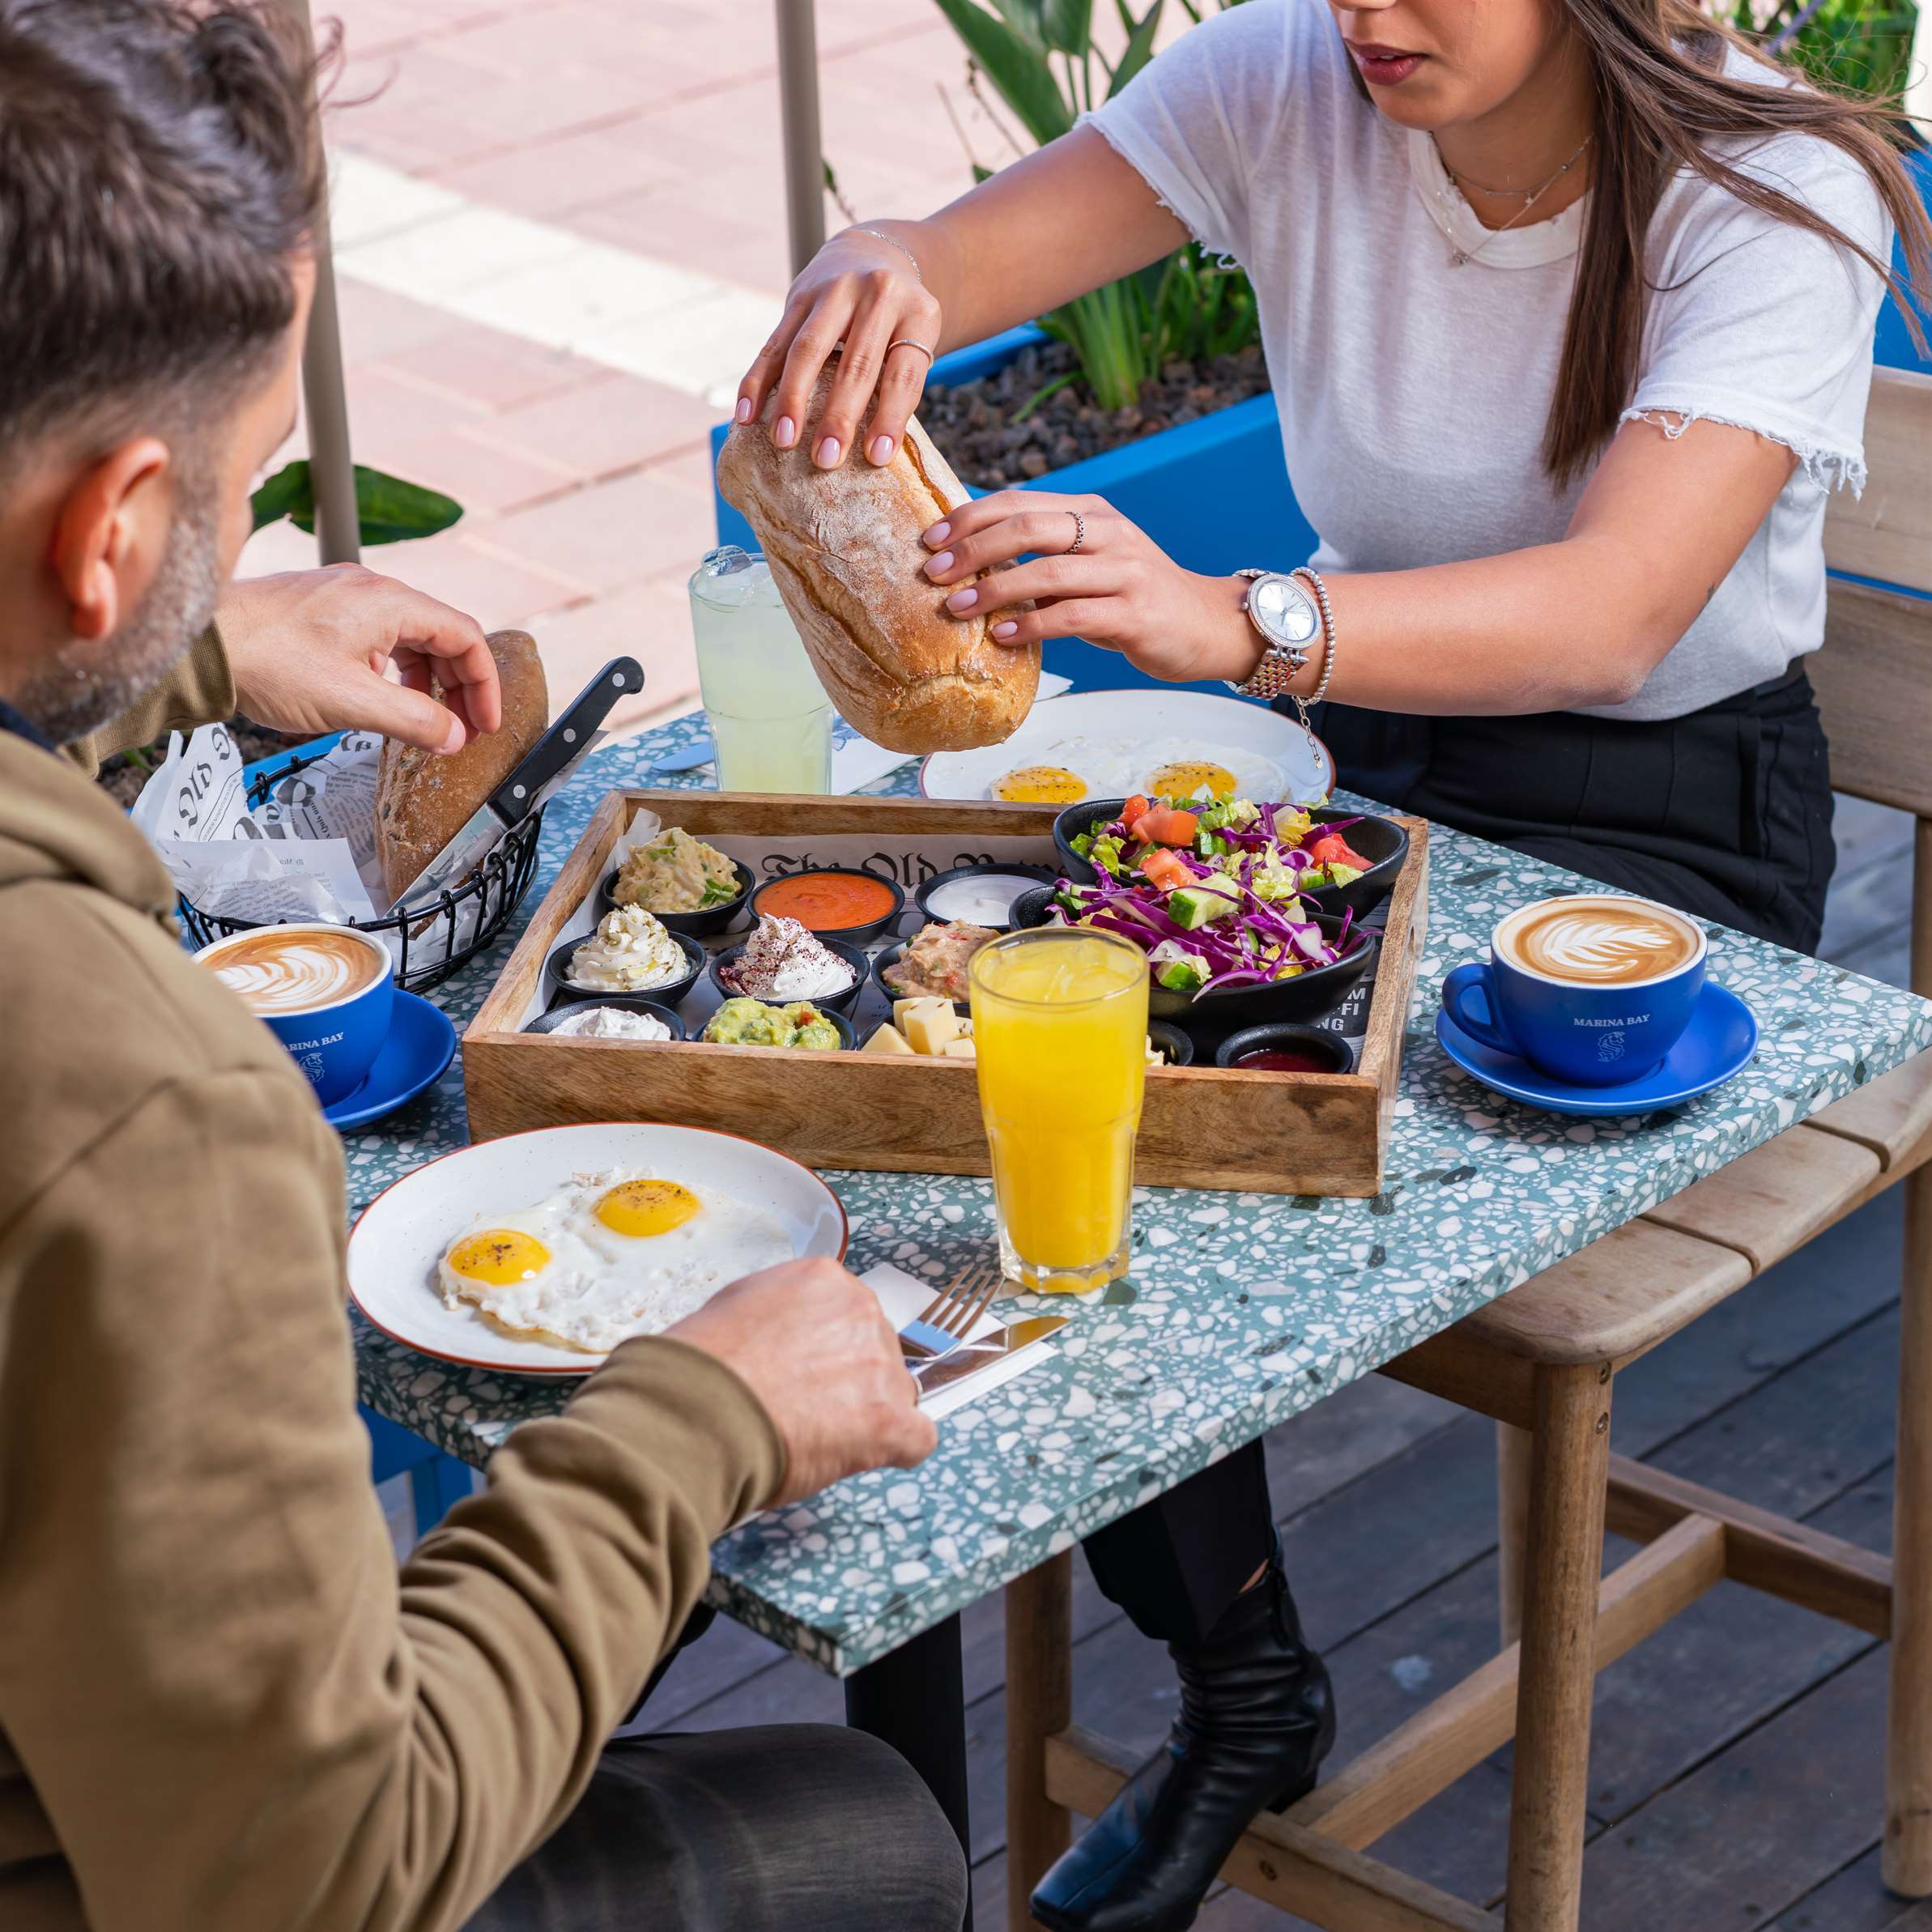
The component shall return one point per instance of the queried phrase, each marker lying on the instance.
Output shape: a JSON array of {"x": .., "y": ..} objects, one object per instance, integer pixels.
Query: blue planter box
[{"x": 1213, "y": 494}]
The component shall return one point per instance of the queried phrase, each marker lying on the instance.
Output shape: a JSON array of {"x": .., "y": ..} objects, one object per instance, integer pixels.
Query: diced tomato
[
  {"x": 1136, "y": 809},
  {"x": 1165, "y": 826},
  {"x": 1331, "y": 848},
  {"x": 1164, "y": 868}
]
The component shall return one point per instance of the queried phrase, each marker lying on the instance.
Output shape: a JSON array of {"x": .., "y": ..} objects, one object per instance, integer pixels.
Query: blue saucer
[
  {"x": 1721, "y": 1037},
  {"x": 421, "y": 1043}
]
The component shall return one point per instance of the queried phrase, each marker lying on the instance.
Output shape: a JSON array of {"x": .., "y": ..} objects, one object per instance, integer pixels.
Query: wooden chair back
[{"x": 1874, "y": 677}]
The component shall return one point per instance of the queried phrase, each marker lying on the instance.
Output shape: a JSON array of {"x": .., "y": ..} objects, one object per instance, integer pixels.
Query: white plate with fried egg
[
  {"x": 1112, "y": 744},
  {"x": 537, "y": 1253}
]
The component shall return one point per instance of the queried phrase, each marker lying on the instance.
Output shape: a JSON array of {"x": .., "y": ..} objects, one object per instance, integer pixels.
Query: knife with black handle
[{"x": 549, "y": 759}]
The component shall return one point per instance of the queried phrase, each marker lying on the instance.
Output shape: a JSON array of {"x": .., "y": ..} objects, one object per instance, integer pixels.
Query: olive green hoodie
[{"x": 221, "y": 1710}]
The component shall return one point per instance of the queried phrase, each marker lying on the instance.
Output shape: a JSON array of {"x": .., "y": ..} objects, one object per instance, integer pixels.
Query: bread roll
[
  {"x": 844, "y": 547},
  {"x": 422, "y": 798}
]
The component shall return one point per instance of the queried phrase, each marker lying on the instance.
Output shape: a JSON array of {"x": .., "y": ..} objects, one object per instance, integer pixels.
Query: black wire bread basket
[{"x": 432, "y": 940}]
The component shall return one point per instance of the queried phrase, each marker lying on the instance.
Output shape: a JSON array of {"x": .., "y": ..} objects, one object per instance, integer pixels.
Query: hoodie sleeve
[
  {"x": 199, "y": 690},
  {"x": 230, "y": 1712}
]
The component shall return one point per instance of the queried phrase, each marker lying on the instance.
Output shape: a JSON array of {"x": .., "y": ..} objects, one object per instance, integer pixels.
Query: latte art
[
  {"x": 278, "y": 970},
  {"x": 1602, "y": 943}
]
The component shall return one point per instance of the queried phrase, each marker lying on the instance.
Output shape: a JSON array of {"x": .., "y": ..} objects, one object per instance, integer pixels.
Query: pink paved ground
[{"x": 642, "y": 123}]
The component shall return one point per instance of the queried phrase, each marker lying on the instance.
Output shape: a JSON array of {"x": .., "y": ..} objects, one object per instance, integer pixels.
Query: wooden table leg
[
  {"x": 1512, "y": 1522},
  {"x": 1563, "y": 1560},
  {"x": 1039, "y": 1703},
  {"x": 1906, "y": 1860}
]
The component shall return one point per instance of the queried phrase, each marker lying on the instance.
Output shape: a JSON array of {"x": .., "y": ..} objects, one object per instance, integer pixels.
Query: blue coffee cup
[
  {"x": 1590, "y": 1031},
  {"x": 325, "y": 992}
]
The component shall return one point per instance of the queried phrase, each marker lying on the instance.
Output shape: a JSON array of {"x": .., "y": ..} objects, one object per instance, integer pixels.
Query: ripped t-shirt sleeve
[
  {"x": 1763, "y": 326},
  {"x": 1198, "y": 122}
]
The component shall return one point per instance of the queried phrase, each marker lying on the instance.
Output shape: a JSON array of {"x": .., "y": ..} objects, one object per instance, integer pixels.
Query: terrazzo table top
[{"x": 1241, "y": 1309}]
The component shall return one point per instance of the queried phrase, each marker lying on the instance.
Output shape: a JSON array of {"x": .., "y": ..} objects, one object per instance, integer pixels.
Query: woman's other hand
[
  {"x": 863, "y": 298},
  {"x": 1118, "y": 588}
]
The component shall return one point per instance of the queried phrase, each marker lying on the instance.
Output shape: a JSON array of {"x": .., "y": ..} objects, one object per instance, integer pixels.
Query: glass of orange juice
[{"x": 1060, "y": 1034}]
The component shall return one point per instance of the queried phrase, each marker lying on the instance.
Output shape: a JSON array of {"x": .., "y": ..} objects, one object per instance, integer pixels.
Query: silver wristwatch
[{"x": 1286, "y": 617}]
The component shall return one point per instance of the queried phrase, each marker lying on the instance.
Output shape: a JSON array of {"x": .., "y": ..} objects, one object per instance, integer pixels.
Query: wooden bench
[{"x": 1543, "y": 1360}]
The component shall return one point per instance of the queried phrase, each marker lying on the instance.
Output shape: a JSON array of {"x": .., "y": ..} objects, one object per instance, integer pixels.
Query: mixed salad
[
  {"x": 1275, "y": 850},
  {"x": 1213, "y": 896}
]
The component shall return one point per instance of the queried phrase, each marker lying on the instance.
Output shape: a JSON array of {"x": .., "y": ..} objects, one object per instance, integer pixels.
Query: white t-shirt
[{"x": 1413, "y": 393}]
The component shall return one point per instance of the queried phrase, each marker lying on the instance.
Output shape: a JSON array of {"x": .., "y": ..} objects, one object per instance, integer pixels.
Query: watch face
[{"x": 1283, "y": 610}]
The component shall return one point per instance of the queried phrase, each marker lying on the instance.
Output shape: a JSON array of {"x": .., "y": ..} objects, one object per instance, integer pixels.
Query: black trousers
[
  {"x": 1725, "y": 814},
  {"x": 779, "y": 1829}
]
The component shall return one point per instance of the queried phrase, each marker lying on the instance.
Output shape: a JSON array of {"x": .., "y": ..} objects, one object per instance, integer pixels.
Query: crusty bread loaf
[
  {"x": 844, "y": 547},
  {"x": 422, "y": 798}
]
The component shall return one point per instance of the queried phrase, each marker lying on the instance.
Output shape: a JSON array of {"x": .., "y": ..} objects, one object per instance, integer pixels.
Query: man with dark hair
[{"x": 220, "y": 1708}]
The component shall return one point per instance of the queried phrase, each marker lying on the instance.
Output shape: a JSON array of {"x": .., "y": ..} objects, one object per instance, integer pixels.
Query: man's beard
[{"x": 84, "y": 685}]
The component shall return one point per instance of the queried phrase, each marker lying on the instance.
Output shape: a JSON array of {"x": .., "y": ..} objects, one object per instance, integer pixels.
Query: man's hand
[
  {"x": 813, "y": 1344},
  {"x": 309, "y": 649}
]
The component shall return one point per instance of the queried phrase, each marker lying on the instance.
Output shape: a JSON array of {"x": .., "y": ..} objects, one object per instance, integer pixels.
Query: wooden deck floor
[{"x": 1737, "y": 1756}]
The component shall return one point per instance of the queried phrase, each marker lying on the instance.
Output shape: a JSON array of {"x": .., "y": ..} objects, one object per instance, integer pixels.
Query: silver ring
[
  {"x": 1079, "y": 532},
  {"x": 906, "y": 342}
]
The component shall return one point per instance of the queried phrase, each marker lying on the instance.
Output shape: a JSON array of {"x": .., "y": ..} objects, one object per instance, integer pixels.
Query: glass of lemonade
[
  {"x": 771, "y": 720},
  {"x": 1060, "y": 1034}
]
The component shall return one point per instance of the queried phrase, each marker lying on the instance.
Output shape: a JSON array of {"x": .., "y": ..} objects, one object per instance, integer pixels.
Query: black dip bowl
[
  {"x": 845, "y": 935},
  {"x": 890, "y": 956},
  {"x": 700, "y": 924},
  {"x": 625, "y": 1002},
  {"x": 563, "y": 991},
  {"x": 923, "y": 896},
  {"x": 847, "y": 1034},
  {"x": 1175, "y": 1044},
  {"x": 835, "y": 1003},
  {"x": 1330, "y": 1050}
]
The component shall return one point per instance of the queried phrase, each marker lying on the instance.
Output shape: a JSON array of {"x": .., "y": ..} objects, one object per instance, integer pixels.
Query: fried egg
[
  {"x": 1065, "y": 770},
  {"x": 1040, "y": 784},
  {"x": 627, "y": 1253}
]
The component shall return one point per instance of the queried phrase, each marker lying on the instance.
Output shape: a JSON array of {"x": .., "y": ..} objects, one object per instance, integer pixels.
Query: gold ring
[
  {"x": 1079, "y": 531},
  {"x": 906, "y": 342}
]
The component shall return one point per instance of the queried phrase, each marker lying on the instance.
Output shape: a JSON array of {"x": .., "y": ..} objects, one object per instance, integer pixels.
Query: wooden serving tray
[{"x": 1268, "y": 1133}]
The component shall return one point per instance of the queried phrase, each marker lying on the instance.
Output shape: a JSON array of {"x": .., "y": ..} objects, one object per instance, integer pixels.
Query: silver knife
[
  {"x": 545, "y": 766},
  {"x": 970, "y": 1357}
]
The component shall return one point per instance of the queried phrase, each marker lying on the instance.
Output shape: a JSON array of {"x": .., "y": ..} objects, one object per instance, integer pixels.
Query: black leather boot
[{"x": 1255, "y": 1722}]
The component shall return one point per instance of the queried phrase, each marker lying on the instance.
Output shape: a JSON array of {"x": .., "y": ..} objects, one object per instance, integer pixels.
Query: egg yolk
[
  {"x": 1042, "y": 784},
  {"x": 1190, "y": 777},
  {"x": 647, "y": 1207},
  {"x": 499, "y": 1256}
]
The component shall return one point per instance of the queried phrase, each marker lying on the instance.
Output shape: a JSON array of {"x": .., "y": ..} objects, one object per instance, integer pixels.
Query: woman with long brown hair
[{"x": 1568, "y": 307}]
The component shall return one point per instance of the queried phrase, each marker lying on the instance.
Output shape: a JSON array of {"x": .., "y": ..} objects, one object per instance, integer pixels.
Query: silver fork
[{"x": 948, "y": 1321}]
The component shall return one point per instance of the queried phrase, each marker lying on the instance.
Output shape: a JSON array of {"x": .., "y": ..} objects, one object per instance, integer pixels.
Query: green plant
[
  {"x": 389, "y": 510},
  {"x": 1040, "y": 57},
  {"x": 1861, "y": 45}
]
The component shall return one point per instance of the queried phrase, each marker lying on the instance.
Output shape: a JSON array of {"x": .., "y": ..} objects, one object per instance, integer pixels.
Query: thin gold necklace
[{"x": 1459, "y": 255}]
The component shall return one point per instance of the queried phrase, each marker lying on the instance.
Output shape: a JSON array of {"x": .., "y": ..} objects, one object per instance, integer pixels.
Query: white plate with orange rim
[
  {"x": 1117, "y": 743},
  {"x": 396, "y": 1245}
]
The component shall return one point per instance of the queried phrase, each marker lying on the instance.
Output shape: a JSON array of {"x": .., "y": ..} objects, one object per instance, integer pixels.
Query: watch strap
[{"x": 1281, "y": 660}]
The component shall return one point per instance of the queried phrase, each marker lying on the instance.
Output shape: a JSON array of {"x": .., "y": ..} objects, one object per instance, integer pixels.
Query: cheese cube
[
  {"x": 961, "y": 1049},
  {"x": 928, "y": 1028},
  {"x": 887, "y": 1040},
  {"x": 924, "y": 1002}
]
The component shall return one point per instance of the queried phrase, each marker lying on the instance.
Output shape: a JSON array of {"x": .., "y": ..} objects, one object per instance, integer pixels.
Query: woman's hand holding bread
[
  {"x": 309, "y": 649},
  {"x": 860, "y": 298},
  {"x": 1118, "y": 588},
  {"x": 844, "y": 549}
]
